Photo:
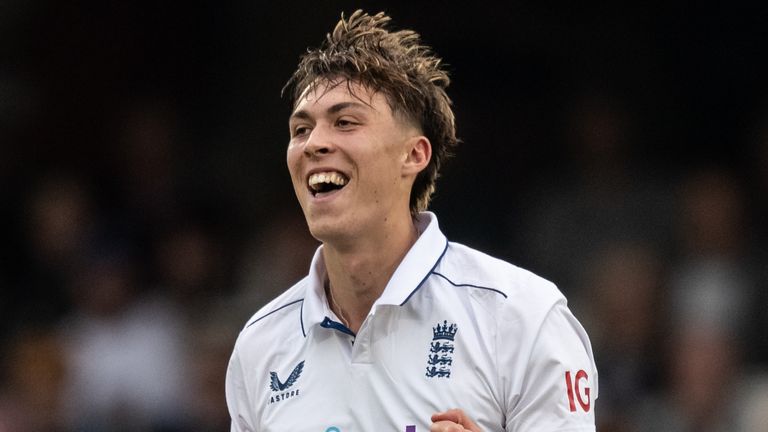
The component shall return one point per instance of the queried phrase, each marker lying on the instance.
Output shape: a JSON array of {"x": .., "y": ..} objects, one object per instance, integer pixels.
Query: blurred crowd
[
  {"x": 145, "y": 218},
  {"x": 668, "y": 275},
  {"x": 122, "y": 315}
]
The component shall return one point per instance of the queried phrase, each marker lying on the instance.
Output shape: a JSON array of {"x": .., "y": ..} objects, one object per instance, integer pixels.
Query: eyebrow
[{"x": 333, "y": 109}]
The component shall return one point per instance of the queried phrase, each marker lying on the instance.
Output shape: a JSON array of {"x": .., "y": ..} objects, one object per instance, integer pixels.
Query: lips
[{"x": 322, "y": 182}]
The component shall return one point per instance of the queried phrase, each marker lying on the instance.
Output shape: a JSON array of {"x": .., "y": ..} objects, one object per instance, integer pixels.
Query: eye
[
  {"x": 300, "y": 130},
  {"x": 346, "y": 123}
]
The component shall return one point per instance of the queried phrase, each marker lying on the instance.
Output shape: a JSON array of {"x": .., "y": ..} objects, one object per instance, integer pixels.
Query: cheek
[
  {"x": 293, "y": 160},
  {"x": 294, "y": 169},
  {"x": 290, "y": 153}
]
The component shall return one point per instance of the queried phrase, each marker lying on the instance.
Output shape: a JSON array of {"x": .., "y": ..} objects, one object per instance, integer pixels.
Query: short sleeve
[
  {"x": 237, "y": 397},
  {"x": 559, "y": 386}
]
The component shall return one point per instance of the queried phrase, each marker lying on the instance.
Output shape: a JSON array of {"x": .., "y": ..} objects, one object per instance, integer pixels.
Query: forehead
[{"x": 319, "y": 95}]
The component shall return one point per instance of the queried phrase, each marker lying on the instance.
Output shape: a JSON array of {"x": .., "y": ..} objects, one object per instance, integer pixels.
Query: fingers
[
  {"x": 453, "y": 420},
  {"x": 446, "y": 426}
]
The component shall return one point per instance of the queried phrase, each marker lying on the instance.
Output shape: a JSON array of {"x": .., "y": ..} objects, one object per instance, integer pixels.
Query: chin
[
  {"x": 327, "y": 230},
  {"x": 336, "y": 231}
]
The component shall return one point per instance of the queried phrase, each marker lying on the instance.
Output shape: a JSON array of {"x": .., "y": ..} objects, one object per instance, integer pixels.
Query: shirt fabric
[{"x": 454, "y": 328}]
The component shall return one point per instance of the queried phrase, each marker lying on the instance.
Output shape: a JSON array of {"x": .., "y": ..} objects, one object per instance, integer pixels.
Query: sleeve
[
  {"x": 559, "y": 383},
  {"x": 237, "y": 396}
]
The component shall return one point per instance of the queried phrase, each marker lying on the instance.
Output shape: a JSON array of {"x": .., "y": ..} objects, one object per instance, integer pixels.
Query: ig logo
[{"x": 573, "y": 385}]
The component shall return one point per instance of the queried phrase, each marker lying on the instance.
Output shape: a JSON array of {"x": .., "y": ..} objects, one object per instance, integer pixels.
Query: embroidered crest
[{"x": 440, "y": 357}]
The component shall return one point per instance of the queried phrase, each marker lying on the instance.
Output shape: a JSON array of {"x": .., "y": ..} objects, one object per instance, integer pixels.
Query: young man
[{"x": 395, "y": 328}]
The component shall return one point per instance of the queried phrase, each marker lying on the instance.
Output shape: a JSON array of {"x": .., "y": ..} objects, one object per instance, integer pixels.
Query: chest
[{"x": 393, "y": 375}]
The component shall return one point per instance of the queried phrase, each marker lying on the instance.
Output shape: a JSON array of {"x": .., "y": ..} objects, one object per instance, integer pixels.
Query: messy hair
[{"x": 362, "y": 49}]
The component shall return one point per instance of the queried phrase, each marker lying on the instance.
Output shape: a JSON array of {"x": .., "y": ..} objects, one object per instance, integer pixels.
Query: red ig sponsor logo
[{"x": 574, "y": 385}]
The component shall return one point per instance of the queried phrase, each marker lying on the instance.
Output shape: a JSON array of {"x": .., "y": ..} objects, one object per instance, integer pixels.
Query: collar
[{"x": 408, "y": 277}]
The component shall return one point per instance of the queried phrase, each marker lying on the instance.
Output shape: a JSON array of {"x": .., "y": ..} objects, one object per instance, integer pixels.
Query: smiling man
[{"x": 395, "y": 328}]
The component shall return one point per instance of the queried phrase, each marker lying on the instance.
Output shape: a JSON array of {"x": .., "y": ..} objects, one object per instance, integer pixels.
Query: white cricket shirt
[{"x": 454, "y": 328}]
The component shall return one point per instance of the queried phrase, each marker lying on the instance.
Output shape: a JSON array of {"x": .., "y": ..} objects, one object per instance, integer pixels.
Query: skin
[
  {"x": 366, "y": 227},
  {"x": 453, "y": 420}
]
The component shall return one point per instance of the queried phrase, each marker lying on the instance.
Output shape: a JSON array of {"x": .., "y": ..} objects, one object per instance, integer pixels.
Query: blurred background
[{"x": 146, "y": 211}]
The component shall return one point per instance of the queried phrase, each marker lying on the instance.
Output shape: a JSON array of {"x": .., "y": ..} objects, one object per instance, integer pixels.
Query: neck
[{"x": 358, "y": 275}]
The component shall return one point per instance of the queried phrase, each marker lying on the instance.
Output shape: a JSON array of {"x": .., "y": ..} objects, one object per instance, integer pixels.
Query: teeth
[{"x": 327, "y": 177}]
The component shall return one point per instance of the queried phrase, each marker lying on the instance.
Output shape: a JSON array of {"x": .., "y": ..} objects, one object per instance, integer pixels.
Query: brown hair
[{"x": 362, "y": 49}]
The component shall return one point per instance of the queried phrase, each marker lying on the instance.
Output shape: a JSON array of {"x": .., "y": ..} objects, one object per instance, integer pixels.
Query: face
[{"x": 351, "y": 161}]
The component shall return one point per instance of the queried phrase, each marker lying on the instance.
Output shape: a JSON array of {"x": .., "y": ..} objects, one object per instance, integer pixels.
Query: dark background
[
  {"x": 691, "y": 79},
  {"x": 151, "y": 136}
]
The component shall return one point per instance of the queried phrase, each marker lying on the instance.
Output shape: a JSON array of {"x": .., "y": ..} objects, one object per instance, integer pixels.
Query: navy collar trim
[{"x": 440, "y": 258}]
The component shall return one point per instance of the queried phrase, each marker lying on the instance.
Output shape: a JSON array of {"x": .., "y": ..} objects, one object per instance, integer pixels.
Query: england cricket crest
[{"x": 440, "y": 357}]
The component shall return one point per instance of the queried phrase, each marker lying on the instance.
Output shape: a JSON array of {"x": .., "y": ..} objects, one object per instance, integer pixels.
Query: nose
[{"x": 318, "y": 143}]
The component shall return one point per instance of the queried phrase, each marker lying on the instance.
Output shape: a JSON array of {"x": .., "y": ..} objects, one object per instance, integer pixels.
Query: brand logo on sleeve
[
  {"x": 577, "y": 385},
  {"x": 280, "y": 389},
  {"x": 440, "y": 357}
]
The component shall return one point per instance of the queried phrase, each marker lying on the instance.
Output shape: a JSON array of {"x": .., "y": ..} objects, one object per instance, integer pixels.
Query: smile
[{"x": 327, "y": 181}]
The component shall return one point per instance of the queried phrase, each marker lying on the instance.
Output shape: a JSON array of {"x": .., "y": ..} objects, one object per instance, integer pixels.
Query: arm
[
  {"x": 559, "y": 382},
  {"x": 237, "y": 397}
]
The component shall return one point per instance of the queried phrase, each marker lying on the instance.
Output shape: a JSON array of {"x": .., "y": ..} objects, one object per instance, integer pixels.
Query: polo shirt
[{"x": 454, "y": 328}]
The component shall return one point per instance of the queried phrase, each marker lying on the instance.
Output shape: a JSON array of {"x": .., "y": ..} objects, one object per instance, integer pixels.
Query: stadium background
[{"x": 619, "y": 150}]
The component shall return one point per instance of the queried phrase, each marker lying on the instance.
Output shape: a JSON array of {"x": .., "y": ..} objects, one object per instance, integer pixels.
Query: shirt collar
[{"x": 415, "y": 267}]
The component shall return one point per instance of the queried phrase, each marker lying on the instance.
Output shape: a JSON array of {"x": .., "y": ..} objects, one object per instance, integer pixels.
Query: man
[{"x": 395, "y": 328}]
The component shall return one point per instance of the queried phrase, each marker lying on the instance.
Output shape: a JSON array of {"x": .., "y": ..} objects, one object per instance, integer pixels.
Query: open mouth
[{"x": 326, "y": 182}]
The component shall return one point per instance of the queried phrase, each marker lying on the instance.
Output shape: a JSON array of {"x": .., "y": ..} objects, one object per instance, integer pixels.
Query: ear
[{"x": 419, "y": 153}]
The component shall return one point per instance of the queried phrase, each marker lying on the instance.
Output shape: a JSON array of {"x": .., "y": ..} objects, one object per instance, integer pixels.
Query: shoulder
[
  {"x": 274, "y": 331},
  {"x": 464, "y": 266},
  {"x": 279, "y": 317}
]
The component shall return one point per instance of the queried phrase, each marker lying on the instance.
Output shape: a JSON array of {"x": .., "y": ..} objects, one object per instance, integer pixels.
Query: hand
[{"x": 453, "y": 420}]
